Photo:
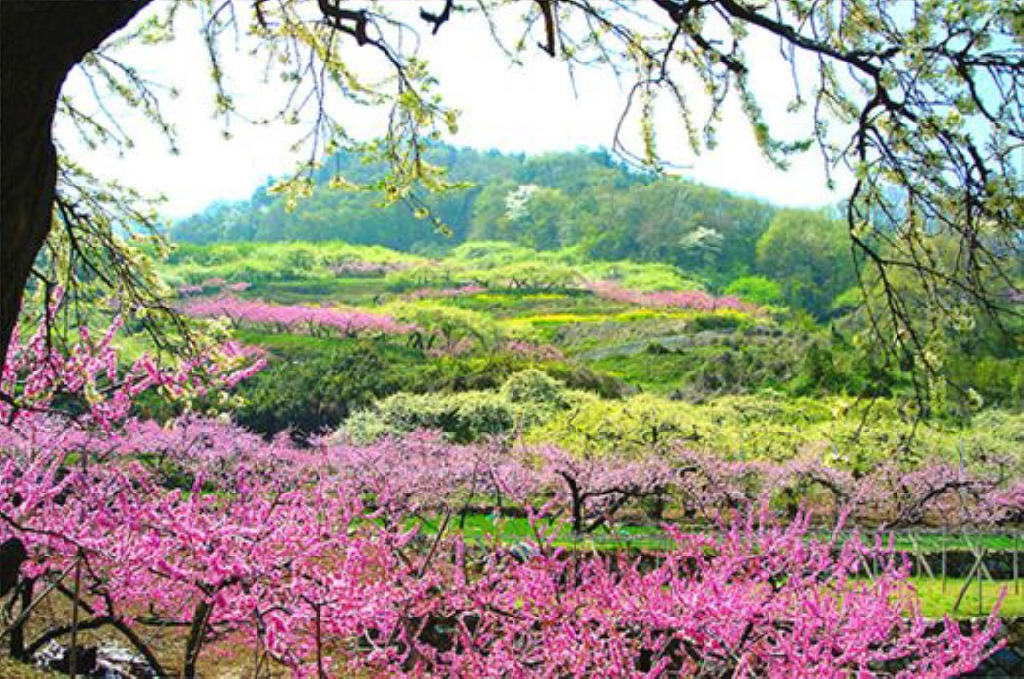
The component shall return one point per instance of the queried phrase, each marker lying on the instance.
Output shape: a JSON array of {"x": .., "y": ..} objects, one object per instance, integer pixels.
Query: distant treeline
[{"x": 585, "y": 200}]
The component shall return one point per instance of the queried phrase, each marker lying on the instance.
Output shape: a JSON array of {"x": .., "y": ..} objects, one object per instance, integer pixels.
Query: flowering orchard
[
  {"x": 530, "y": 350},
  {"x": 360, "y": 268},
  {"x": 211, "y": 285},
  {"x": 423, "y": 473},
  {"x": 672, "y": 299},
  {"x": 217, "y": 541},
  {"x": 295, "y": 318}
]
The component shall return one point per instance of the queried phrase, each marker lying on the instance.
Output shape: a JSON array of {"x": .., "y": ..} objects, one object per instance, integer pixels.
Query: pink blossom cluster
[
  {"x": 314, "y": 320},
  {"x": 592, "y": 492},
  {"x": 595, "y": 489},
  {"x": 291, "y": 569},
  {"x": 536, "y": 352},
  {"x": 35, "y": 373},
  {"x": 189, "y": 290},
  {"x": 423, "y": 472},
  {"x": 210, "y": 446},
  {"x": 1007, "y": 505},
  {"x": 302, "y": 558},
  {"x": 673, "y": 299},
  {"x": 889, "y": 495},
  {"x": 461, "y": 347},
  {"x": 212, "y": 284}
]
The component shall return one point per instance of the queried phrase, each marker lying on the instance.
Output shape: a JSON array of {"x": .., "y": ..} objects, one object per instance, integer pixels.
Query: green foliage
[
  {"x": 996, "y": 434},
  {"x": 697, "y": 361},
  {"x": 706, "y": 354},
  {"x": 582, "y": 200},
  {"x": 640, "y": 276},
  {"x": 463, "y": 417},
  {"x": 844, "y": 432},
  {"x": 526, "y": 398},
  {"x": 542, "y": 230},
  {"x": 326, "y": 213},
  {"x": 580, "y": 378},
  {"x": 847, "y": 301},
  {"x": 313, "y": 391},
  {"x": 490, "y": 254},
  {"x": 443, "y": 325},
  {"x": 533, "y": 276},
  {"x": 691, "y": 226},
  {"x": 700, "y": 372},
  {"x": 999, "y": 381},
  {"x": 265, "y": 262},
  {"x": 808, "y": 254},
  {"x": 536, "y": 387},
  {"x": 756, "y": 290},
  {"x": 427, "y": 275}
]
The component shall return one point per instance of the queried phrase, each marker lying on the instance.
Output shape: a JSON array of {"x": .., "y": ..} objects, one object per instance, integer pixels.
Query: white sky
[{"x": 531, "y": 109}]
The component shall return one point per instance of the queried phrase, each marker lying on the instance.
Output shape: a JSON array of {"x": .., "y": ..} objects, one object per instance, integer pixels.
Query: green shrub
[
  {"x": 463, "y": 417},
  {"x": 445, "y": 325},
  {"x": 527, "y": 398},
  {"x": 720, "y": 320},
  {"x": 581, "y": 378},
  {"x": 428, "y": 276},
  {"x": 757, "y": 290},
  {"x": 534, "y": 386},
  {"x": 314, "y": 391},
  {"x": 644, "y": 277}
]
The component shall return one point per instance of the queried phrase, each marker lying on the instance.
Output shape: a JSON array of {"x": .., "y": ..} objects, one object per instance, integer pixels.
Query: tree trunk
[
  {"x": 196, "y": 635},
  {"x": 40, "y": 41},
  {"x": 577, "y": 499},
  {"x": 17, "y": 647}
]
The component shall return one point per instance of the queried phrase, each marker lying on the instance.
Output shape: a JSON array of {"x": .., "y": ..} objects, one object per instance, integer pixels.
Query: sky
[{"x": 533, "y": 108}]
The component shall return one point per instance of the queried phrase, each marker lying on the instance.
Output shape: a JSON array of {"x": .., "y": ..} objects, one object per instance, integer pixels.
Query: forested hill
[{"x": 583, "y": 199}]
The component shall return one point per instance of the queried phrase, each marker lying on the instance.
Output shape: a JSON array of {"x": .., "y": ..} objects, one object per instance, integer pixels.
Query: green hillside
[{"x": 733, "y": 374}]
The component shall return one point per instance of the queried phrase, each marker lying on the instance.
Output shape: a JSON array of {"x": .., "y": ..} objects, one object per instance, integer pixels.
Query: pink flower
[
  {"x": 676, "y": 299},
  {"x": 295, "y": 317}
]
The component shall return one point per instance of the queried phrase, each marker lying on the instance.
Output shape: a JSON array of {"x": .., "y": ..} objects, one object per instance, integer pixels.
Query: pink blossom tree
[
  {"x": 295, "y": 318},
  {"x": 670, "y": 299},
  {"x": 304, "y": 556}
]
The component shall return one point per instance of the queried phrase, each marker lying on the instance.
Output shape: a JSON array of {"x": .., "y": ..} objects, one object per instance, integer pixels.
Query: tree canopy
[
  {"x": 920, "y": 102},
  {"x": 809, "y": 253},
  {"x": 582, "y": 199}
]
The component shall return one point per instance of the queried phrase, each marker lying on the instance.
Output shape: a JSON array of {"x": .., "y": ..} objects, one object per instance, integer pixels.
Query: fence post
[
  {"x": 975, "y": 570},
  {"x": 960, "y": 491},
  {"x": 256, "y": 655},
  {"x": 923, "y": 567},
  {"x": 974, "y": 550},
  {"x": 943, "y": 558},
  {"x": 1016, "y": 574},
  {"x": 981, "y": 582},
  {"x": 73, "y": 650}
]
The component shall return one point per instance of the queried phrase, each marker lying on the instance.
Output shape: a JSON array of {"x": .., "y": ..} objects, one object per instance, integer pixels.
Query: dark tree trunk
[
  {"x": 40, "y": 41},
  {"x": 577, "y": 499},
  {"x": 17, "y": 633},
  {"x": 196, "y": 636},
  {"x": 12, "y": 555}
]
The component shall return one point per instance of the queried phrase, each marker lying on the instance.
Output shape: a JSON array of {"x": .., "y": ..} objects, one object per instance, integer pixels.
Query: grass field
[
  {"x": 483, "y": 527},
  {"x": 938, "y": 597}
]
